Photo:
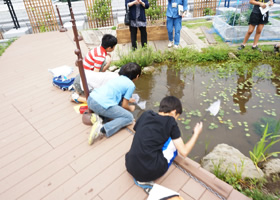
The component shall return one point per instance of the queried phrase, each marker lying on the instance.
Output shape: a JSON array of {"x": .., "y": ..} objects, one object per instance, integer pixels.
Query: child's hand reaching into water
[{"x": 198, "y": 128}]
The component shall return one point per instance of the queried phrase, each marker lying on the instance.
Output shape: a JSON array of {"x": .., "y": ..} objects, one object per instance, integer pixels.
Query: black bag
[{"x": 126, "y": 17}]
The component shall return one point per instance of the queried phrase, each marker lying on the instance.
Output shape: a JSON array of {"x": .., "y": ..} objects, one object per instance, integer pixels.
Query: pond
[{"x": 248, "y": 102}]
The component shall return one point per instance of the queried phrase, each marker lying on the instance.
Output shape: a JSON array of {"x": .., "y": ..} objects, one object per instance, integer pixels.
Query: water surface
[{"x": 245, "y": 99}]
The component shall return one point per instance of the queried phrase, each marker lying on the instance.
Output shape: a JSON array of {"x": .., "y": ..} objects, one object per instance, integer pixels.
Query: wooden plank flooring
[{"x": 43, "y": 143}]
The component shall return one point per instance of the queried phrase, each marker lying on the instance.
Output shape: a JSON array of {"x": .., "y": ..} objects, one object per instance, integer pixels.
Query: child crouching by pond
[
  {"x": 157, "y": 134},
  {"x": 111, "y": 101}
]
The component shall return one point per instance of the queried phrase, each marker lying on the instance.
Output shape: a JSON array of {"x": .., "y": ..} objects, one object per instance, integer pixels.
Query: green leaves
[
  {"x": 100, "y": 11},
  {"x": 261, "y": 152}
]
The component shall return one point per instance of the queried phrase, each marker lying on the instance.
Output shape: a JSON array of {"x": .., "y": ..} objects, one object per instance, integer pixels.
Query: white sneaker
[
  {"x": 95, "y": 133},
  {"x": 74, "y": 97},
  {"x": 170, "y": 44},
  {"x": 176, "y": 46}
]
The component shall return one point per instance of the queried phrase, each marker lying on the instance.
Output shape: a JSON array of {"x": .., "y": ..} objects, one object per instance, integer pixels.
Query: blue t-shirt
[
  {"x": 173, "y": 12},
  {"x": 113, "y": 91}
]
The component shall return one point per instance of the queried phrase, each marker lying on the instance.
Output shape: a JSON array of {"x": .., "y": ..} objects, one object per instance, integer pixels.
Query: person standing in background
[
  {"x": 174, "y": 20},
  {"x": 137, "y": 18}
]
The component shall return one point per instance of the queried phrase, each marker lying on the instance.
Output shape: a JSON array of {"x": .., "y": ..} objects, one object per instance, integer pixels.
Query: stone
[
  {"x": 113, "y": 68},
  {"x": 148, "y": 70},
  {"x": 13, "y": 33},
  {"x": 272, "y": 166},
  {"x": 228, "y": 157},
  {"x": 232, "y": 56}
]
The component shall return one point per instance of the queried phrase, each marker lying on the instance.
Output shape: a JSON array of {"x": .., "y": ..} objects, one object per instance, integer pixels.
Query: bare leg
[
  {"x": 258, "y": 34},
  {"x": 82, "y": 99},
  {"x": 248, "y": 34},
  {"x": 108, "y": 62}
]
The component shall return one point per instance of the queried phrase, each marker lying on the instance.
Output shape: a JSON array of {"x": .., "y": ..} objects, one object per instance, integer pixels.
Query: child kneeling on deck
[
  {"x": 111, "y": 101},
  {"x": 156, "y": 142}
]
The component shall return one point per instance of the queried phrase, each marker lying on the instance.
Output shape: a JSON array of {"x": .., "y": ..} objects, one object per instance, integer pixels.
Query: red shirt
[{"x": 94, "y": 58}]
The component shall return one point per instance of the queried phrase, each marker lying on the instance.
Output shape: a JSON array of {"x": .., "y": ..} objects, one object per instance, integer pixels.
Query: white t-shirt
[{"x": 97, "y": 79}]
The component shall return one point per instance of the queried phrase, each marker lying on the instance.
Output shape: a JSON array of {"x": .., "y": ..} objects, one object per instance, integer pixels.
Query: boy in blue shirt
[{"x": 105, "y": 101}]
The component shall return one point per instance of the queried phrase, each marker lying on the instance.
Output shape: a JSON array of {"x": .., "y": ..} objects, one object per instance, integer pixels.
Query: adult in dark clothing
[
  {"x": 137, "y": 20},
  {"x": 148, "y": 158}
]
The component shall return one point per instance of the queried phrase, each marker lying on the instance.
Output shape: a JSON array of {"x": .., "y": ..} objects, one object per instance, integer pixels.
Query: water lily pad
[{"x": 248, "y": 134}]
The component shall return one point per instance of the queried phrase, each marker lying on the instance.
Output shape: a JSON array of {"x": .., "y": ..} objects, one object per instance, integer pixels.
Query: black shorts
[{"x": 258, "y": 18}]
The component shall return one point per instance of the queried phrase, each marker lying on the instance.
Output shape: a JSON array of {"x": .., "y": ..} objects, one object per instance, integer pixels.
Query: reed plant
[
  {"x": 143, "y": 56},
  {"x": 261, "y": 150},
  {"x": 213, "y": 55}
]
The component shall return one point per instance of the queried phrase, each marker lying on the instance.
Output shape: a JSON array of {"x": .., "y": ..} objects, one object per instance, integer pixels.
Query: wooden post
[
  {"x": 78, "y": 52},
  {"x": 62, "y": 29}
]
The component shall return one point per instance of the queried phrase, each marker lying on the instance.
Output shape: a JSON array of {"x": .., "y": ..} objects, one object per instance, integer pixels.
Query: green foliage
[
  {"x": 141, "y": 56},
  {"x": 208, "y": 11},
  {"x": 237, "y": 19},
  {"x": 259, "y": 126},
  {"x": 232, "y": 178},
  {"x": 4, "y": 46},
  {"x": 114, "y": 28},
  {"x": 100, "y": 11},
  {"x": 197, "y": 23},
  {"x": 261, "y": 152},
  {"x": 154, "y": 12},
  {"x": 213, "y": 56},
  {"x": 257, "y": 194}
]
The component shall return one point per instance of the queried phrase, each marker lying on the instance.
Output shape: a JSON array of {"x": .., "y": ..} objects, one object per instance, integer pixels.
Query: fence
[
  {"x": 202, "y": 7},
  {"x": 41, "y": 15},
  {"x": 99, "y": 13},
  {"x": 157, "y": 10}
]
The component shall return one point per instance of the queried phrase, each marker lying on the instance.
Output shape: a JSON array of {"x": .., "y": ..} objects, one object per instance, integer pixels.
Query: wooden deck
[{"x": 43, "y": 143}]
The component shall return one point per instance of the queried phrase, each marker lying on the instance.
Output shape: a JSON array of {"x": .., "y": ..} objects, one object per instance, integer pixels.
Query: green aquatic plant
[
  {"x": 234, "y": 178},
  {"x": 259, "y": 126},
  {"x": 143, "y": 56},
  {"x": 257, "y": 194},
  {"x": 260, "y": 151}
]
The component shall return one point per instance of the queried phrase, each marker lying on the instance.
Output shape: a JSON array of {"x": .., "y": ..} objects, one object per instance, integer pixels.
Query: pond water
[{"x": 245, "y": 100}]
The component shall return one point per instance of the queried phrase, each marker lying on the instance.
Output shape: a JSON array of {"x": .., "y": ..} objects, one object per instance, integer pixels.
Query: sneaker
[
  {"x": 170, "y": 44},
  {"x": 256, "y": 48},
  {"x": 95, "y": 133},
  {"x": 74, "y": 97},
  {"x": 242, "y": 46},
  {"x": 176, "y": 46},
  {"x": 94, "y": 118},
  {"x": 144, "y": 185},
  {"x": 276, "y": 49}
]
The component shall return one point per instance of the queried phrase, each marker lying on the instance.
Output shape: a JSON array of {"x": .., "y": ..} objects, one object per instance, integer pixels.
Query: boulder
[
  {"x": 232, "y": 56},
  {"x": 148, "y": 70},
  {"x": 113, "y": 68},
  {"x": 228, "y": 157},
  {"x": 271, "y": 167}
]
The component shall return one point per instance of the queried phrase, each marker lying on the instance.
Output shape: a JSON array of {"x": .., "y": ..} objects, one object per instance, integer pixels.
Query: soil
[{"x": 273, "y": 184}]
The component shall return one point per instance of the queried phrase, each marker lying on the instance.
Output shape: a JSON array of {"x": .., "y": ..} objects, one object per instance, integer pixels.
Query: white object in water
[
  {"x": 136, "y": 97},
  {"x": 142, "y": 104},
  {"x": 214, "y": 107},
  {"x": 61, "y": 71}
]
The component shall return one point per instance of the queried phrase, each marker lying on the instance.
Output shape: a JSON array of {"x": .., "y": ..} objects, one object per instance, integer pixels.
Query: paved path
[
  {"x": 43, "y": 143},
  {"x": 92, "y": 38}
]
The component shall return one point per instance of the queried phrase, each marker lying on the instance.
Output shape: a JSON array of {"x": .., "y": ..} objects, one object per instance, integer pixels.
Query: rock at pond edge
[{"x": 228, "y": 157}]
